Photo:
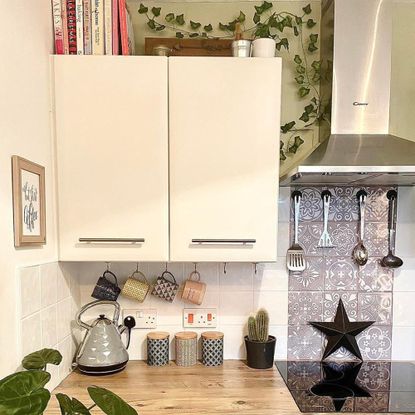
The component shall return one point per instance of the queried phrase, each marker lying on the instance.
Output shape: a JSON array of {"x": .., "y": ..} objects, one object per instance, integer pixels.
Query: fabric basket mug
[
  {"x": 136, "y": 287},
  {"x": 106, "y": 289},
  {"x": 194, "y": 290},
  {"x": 166, "y": 288}
]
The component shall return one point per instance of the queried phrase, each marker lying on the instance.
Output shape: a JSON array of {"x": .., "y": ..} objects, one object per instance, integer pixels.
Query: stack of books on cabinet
[{"x": 92, "y": 27}]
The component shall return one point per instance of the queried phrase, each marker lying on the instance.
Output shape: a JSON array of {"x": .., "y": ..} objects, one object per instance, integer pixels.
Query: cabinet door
[
  {"x": 112, "y": 157},
  {"x": 224, "y": 117}
]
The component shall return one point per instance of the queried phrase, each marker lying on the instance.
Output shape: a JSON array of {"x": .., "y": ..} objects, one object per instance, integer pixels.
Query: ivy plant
[
  {"x": 24, "y": 392},
  {"x": 284, "y": 27}
]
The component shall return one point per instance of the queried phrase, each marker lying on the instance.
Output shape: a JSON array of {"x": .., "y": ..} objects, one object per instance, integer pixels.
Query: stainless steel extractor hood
[{"x": 362, "y": 148}]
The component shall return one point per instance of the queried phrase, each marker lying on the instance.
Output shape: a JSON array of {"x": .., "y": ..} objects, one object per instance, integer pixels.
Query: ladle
[{"x": 360, "y": 254}]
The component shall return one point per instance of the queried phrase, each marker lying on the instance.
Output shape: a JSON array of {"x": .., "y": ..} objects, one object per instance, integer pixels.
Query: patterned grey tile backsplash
[{"x": 331, "y": 274}]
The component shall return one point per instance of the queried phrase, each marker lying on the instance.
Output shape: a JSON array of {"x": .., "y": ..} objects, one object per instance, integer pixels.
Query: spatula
[{"x": 295, "y": 254}]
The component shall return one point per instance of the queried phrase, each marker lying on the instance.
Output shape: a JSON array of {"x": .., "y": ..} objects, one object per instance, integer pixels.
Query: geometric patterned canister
[
  {"x": 158, "y": 348},
  {"x": 186, "y": 348},
  {"x": 212, "y": 348}
]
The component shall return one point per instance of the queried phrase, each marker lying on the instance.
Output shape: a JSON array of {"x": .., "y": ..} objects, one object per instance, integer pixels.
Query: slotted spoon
[
  {"x": 295, "y": 254},
  {"x": 325, "y": 239}
]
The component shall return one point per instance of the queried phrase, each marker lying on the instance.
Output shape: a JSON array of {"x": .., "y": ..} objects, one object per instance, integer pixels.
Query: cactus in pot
[{"x": 258, "y": 326}]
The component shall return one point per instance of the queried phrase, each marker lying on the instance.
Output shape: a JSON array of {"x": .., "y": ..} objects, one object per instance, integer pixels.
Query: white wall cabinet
[
  {"x": 224, "y": 117},
  {"x": 111, "y": 118}
]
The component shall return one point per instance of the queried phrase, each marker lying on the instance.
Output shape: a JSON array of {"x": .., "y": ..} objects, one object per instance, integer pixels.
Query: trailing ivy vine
[{"x": 266, "y": 22}]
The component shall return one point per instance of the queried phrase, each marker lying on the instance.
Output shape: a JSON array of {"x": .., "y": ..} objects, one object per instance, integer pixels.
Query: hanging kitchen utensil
[
  {"x": 136, "y": 286},
  {"x": 102, "y": 350},
  {"x": 295, "y": 254},
  {"x": 391, "y": 260},
  {"x": 360, "y": 254},
  {"x": 164, "y": 288},
  {"x": 106, "y": 289},
  {"x": 325, "y": 239},
  {"x": 194, "y": 290}
]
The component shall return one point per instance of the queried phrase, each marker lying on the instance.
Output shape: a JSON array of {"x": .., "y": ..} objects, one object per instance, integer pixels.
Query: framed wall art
[{"x": 28, "y": 202}]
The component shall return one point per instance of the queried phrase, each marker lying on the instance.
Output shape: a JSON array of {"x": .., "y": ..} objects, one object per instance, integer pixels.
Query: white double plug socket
[
  {"x": 199, "y": 317},
  {"x": 145, "y": 318}
]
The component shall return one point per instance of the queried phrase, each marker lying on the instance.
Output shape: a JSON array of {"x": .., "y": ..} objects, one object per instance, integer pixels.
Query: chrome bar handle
[
  {"x": 113, "y": 240},
  {"x": 224, "y": 241}
]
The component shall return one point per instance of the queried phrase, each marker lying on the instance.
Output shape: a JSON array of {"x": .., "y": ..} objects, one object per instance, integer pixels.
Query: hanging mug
[
  {"x": 136, "y": 287},
  {"x": 194, "y": 290},
  {"x": 106, "y": 289},
  {"x": 164, "y": 288}
]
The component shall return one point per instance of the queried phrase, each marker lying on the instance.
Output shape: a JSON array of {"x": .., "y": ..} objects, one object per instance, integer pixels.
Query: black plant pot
[{"x": 260, "y": 355}]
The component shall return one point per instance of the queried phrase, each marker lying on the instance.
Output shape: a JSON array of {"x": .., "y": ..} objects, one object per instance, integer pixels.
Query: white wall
[{"x": 25, "y": 43}]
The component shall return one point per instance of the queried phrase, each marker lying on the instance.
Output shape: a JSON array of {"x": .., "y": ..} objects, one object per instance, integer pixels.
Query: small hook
[
  {"x": 165, "y": 267},
  {"x": 255, "y": 267},
  {"x": 224, "y": 267},
  {"x": 108, "y": 265},
  {"x": 195, "y": 264},
  {"x": 136, "y": 270}
]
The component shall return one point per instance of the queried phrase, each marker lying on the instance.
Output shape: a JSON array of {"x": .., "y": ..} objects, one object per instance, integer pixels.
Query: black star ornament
[{"x": 341, "y": 332}]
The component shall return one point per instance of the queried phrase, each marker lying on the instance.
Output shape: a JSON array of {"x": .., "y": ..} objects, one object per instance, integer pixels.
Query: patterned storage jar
[
  {"x": 212, "y": 348},
  {"x": 158, "y": 348},
  {"x": 186, "y": 348}
]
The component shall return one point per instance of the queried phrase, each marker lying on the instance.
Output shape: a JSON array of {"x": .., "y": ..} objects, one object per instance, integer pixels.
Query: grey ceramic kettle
[{"x": 102, "y": 350}]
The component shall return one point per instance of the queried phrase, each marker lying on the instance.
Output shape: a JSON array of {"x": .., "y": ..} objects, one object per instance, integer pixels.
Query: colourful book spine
[
  {"x": 57, "y": 26},
  {"x": 123, "y": 27},
  {"x": 87, "y": 27},
  {"x": 79, "y": 27},
  {"x": 71, "y": 16},
  {"x": 98, "y": 41},
  {"x": 65, "y": 28},
  {"x": 108, "y": 26},
  {"x": 115, "y": 29}
]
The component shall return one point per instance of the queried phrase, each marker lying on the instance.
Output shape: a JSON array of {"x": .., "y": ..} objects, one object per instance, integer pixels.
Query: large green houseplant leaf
[
  {"x": 110, "y": 403},
  {"x": 71, "y": 406},
  {"x": 23, "y": 393},
  {"x": 41, "y": 358}
]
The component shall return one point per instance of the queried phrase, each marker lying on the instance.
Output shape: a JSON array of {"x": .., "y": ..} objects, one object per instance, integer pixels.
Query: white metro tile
[
  {"x": 235, "y": 307},
  {"x": 65, "y": 348},
  {"x": 64, "y": 279},
  {"x": 284, "y": 204},
  {"x": 49, "y": 330},
  {"x": 404, "y": 277},
  {"x": 138, "y": 344},
  {"x": 234, "y": 344},
  {"x": 210, "y": 300},
  {"x": 238, "y": 277},
  {"x": 48, "y": 283},
  {"x": 281, "y": 334},
  {"x": 403, "y": 340},
  {"x": 169, "y": 314},
  {"x": 31, "y": 334},
  {"x": 29, "y": 290},
  {"x": 271, "y": 276},
  {"x": 209, "y": 273},
  {"x": 402, "y": 308},
  {"x": 283, "y": 239},
  {"x": 405, "y": 228},
  {"x": 54, "y": 377},
  {"x": 64, "y": 318},
  {"x": 276, "y": 303}
]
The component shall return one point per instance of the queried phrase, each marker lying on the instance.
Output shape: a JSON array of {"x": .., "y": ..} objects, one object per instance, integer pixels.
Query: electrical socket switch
[
  {"x": 199, "y": 317},
  {"x": 145, "y": 318}
]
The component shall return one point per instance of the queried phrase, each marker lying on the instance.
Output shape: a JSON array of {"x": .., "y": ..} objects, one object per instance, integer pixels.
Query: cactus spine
[{"x": 258, "y": 326}]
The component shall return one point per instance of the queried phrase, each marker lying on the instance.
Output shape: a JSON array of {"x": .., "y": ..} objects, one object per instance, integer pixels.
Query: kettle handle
[{"x": 93, "y": 304}]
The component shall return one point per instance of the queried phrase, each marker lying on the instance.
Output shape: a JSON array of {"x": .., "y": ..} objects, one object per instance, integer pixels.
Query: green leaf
[
  {"x": 194, "y": 25},
  {"x": 180, "y": 19},
  {"x": 208, "y": 28},
  {"x": 143, "y": 9},
  {"x": 156, "y": 11},
  {"x": 262, "y": 31},
  {"x": 194, "y": 34},
  {"x": 299, "y": 79},
  {"x": 298, "y": 60},
  {"x": 283, "y": 43},
  {"x": 266, "y": 5},
  {"x": 169, "y": 17},
  {"x": 298, "y": 20},
  {"x": 311, "y": 23},
  {"x": 307, "y": 9},
  {"x": 316, "y": 65},
  {"x": 312, "y": 47},
  {"x": 313, "y": 38},
  {"x": 109, "y": 402},
  {"x": 282, "y": 155},
  {"x": 298, "y": 141},
  {"x": 41, "y": 358},
  {"x": 70, "y": 406},
  {"x": 316, "y": 77},
  {"x": 259, "y": 9},
  {"x": 303, "y": 91},
  {"x": 296, "y": 33},
  {"x": 241, "y": 17},
  {"x": 305, "y": 117},
  {"x": 223, "y": 27},
  {"x": 309, "y": 108},
  {"x": 232, "y": 26},
  {"x": 287, "y": 21},
  {"x": 300, "y": 69},
  {"x": 256, "y": 18},
  {"x": 287, "y": 127},
  {"x": 160, "y": 27},
  {"x": 151, "y": 24},
  {"x": 314, "y": 100},
  {"x": 179, "y": 35},
  {"x": 23, "y": 393}
]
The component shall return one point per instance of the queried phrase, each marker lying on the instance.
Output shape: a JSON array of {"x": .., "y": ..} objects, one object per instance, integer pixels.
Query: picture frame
[{"x": 29, "y": 202}]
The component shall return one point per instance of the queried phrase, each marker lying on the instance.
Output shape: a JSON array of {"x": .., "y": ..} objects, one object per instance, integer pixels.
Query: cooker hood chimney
[{"x": 361, "y": 149}]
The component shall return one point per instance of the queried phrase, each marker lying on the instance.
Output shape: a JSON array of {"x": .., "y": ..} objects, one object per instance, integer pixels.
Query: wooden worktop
[{"x": 231, "y": 388}]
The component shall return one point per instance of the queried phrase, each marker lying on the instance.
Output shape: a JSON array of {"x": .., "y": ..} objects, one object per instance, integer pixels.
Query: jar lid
[
  {"x": 158, "y": 335},
  {"x": 186, "y": 335},
  {"x": 212, "y": 335}
]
